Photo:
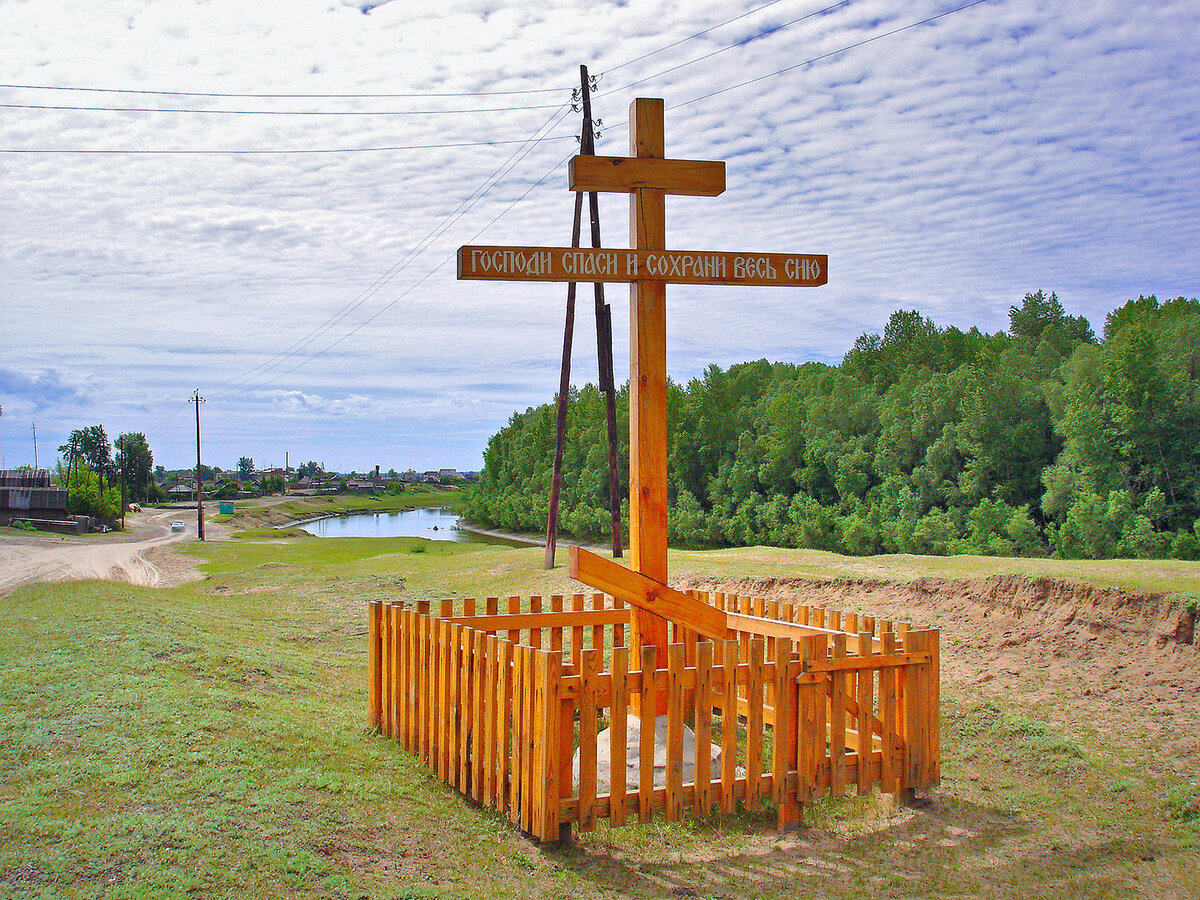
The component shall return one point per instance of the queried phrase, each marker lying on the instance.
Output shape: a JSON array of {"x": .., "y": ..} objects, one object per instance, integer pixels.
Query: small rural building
[{"x": 29, "y": 494}]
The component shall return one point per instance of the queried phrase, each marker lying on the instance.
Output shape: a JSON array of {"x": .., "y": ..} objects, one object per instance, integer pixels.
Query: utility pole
[
  {"x": 35, "y": 459},
  {"x": 121, "y": 450},
  {"x": 197, "y": 399}
]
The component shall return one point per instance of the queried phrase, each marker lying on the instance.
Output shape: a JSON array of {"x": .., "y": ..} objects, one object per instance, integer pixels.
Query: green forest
[{"x": 1043, "y": 440}]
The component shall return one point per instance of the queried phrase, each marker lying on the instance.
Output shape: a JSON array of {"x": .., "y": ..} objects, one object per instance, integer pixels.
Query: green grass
[{"x": 208, "y": 741}]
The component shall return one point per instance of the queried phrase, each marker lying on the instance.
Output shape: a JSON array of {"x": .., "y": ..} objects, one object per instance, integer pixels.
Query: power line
[
  {"x": 276, "y": 112},
  {"x": 464, "y": 206},
  {"x": 754, "y": 37},
  {"x": 283, "y": 96},
  {"x": 278, "y": 152},
  {"x": 831, "y": 53}
]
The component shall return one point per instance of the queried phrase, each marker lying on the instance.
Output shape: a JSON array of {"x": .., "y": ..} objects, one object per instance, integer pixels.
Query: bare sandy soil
[
  {"x": 1127, "y": 662},
  {"x": 139, "y": 555}
]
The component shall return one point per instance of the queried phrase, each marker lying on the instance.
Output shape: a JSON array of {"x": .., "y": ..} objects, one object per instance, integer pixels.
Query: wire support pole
[
  {"x": 604, "y": 349},
  {"x": 197, "y": 399},
  {"x": 564, "y": 391}
]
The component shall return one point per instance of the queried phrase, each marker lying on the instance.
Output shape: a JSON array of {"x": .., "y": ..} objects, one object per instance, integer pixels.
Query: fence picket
[
  {"x": 589, "y": 671},
  {"x": 676, "y": 660},
  {"x": 754, "y": 724},
  {"x": 374, "y": 660},
  {"x": 865, "y": 698},
  {"x": 702, "y": 727},
  {"x": 837, "y": 720},
  {"x": 647, "y": 704},
  {"x": 618, "y": 734},
  {"x": 729, "y": 718},
  {"x": 505, "y": 726}
]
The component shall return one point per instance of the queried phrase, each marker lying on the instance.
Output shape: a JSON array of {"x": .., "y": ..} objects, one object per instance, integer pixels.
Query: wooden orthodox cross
[{"x": 647, "y": 176}]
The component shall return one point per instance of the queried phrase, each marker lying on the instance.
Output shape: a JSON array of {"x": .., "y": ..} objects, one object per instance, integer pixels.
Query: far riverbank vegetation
[{"x": 1042, "y": 440}]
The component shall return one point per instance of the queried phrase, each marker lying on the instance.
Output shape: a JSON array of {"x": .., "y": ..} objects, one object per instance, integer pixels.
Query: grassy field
[{"x": 208, "y": 740}]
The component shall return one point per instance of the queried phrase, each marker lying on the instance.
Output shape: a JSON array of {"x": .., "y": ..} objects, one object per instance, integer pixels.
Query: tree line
[
  {"x": 96, "y": 479},
  {"x": 1044, "y": 439}
]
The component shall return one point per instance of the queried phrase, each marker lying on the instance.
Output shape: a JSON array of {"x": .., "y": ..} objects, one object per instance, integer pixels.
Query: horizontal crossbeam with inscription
[{"x": 620, "y": 265}]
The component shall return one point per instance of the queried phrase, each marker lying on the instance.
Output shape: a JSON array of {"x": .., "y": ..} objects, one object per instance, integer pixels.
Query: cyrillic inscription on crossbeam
[{"x": 488, "y": 263}]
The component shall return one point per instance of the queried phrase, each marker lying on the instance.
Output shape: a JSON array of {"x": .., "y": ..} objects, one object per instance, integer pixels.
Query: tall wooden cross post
[
  {"x": 648, "y": 266},
  {"x": 647, "y": 176}
]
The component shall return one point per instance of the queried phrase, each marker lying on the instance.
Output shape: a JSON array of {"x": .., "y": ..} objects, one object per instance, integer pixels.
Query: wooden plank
[
  {"x": 445, "y": 678},
  {"x": 854, "y": 663},
  {"x": 516, "y": 745},
  {"x": 648, "y": 435},
  {"x": 374, "y": 665},
  {"x": 433, "y": 654},
  {"x": 404, "y": 643},
  {"x": 784, "y": 732},
  {"x": 646, "y": 711},
  {"x": 535, "y": 632},
  {"x": 492, "y": 713},
  {"x": 576, "y": 631},
  {"x": 887, "y": 719},
  {"x": 479, "y": 717},
  {"x": 647, "y": 594},
  {"x": 864, "y": 695},
  {"x": 598, "y": 630},
  {"x": 754, "y": 724},
  {"x": 427, "y": 685},
  {"x": 590, "y": 662},
  {"x": 702, "y": 726},
  {"x": 806, "y": 724},
  {"x": 818, "y": 775},
  {"x": 618, "y": 732},
  {"x": 385, "y": 675},
  {"x": 514, "y": 630},
  {"x": 933, "y": 647},
  {"x": 565, "y": 750},
  {"x": 729, "y": 666},
  {"x": 556, "y": 631},
  {"x": 623, "y": 174},
  {"x": 676, "y": 662},
  {"x": 837, "y": 721},
  {"x": 463, "y": 709},
  {"x": 528, "y": 738},
  {"x": 636, "y": 266},
  {"x": 504, "y": 739}
]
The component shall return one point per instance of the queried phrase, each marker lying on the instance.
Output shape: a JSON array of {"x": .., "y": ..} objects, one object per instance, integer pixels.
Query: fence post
[
  {"x": 374, "y": 652},
  {"x": 548, "y": 753}
]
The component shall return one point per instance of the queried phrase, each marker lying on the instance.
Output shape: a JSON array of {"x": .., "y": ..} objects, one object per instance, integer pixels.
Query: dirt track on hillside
[{"x": 137, "y": 556}]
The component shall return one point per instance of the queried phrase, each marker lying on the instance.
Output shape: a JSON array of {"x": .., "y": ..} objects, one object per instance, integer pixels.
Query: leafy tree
[
  {"x": 135, "y": 462},
  {"x": 85, "y": 494},
  {"x": 245, "y": 468},
  {"x": 311, "y": 470}
]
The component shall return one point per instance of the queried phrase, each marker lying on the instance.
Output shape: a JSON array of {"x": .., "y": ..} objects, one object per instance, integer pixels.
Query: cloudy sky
[{"x": 262, "y": 200}]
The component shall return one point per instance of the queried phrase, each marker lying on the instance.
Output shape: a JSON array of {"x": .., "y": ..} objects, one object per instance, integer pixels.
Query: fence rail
[{"x": 509, "y": 707}]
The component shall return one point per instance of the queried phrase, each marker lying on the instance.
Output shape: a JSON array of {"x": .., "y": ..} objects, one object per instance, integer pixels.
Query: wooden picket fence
[{"x": 801, "y": 701}]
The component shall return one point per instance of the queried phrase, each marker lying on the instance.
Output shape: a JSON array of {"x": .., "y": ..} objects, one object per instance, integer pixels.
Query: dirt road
[{"x": 40, "y": 557}]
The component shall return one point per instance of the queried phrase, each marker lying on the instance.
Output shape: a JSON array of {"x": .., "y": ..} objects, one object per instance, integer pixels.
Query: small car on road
[{"x": 176, "y": 527}]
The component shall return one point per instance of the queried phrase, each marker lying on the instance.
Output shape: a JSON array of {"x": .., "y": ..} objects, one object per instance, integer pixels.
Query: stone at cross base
[{"x": 633, "y": 736}]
